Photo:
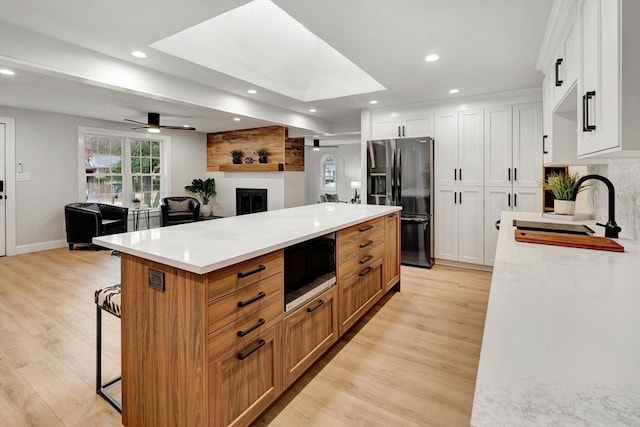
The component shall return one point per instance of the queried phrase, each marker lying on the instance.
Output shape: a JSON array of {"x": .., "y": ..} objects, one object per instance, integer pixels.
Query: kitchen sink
[{"x": 553, "y": 227}]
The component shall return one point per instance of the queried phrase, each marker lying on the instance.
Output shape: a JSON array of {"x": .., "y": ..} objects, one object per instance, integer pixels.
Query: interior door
[{"x": 2, "y": 191}]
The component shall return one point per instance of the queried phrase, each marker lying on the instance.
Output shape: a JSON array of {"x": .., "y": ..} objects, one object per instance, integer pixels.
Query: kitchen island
[
  {"x": 205, "y": 340},
  {"x": 561, "y": 343}
]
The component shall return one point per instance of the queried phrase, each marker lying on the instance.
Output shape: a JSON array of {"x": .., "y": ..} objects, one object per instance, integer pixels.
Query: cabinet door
[
  {"x": 527, "y": 199},
  {"x": 417, "y": 123},
  {"x": 497, "y": 145},
  {"x": 391, "y": 261},
  {"x": 446, "y": 223},
  {"x": 386, "y": 125},
  {"x": 359, "y": 294},
  {"x": 527, "y": 145},
  {"x": 446, "y": 148},
  {"x": 471, "y": 225},
  {"x": 247, "y": 381},
  {"x": 495, "y": 202},
  {"x": 547, "y": 146},
  {"x": 564, "y": 74},
  {"x": 470, "y": 147},
  {"x": 308, "y": 332}
]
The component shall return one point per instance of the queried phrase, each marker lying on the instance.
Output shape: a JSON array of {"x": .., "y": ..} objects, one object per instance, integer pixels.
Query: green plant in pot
[
  {"x": 262, "y": 154},
  {"x": 236, "y": 156},
  {"x": 560, "y": 185},
  {"x": 136, "y": 203},
  {"x": 206, "y": 190}
]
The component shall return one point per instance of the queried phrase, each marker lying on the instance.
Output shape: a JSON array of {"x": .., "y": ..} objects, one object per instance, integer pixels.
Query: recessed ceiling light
[
  {"x": 373, "y": 102},
  {"x": 432, "y": 58},
  {"x": 153, "y": 130},
  {"x": 312, "y": 110},
  {"x": 454, "y": 91},
  {"x": 316, "y": 148},
  {"x": 6, "y": 72},
  {"x": 236, "y": 119},
  {"x": 139, "y": 54},
  {"x": 251, "y": 91}
]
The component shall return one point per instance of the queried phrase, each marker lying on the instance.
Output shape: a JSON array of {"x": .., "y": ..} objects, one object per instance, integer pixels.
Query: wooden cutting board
[{"x": 571, "y": 240}]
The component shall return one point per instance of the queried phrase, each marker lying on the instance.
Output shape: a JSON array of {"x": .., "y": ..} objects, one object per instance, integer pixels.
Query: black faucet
[{"x": 611, "y": 229}]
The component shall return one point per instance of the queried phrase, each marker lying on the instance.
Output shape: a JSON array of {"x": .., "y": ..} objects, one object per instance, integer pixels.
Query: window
[
  {"x": 329, "y": 173},
  {"x": 121, "y": 166}
]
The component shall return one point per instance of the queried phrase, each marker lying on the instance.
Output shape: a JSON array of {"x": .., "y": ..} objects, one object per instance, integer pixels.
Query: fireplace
[{"x": 250, "y": 200}]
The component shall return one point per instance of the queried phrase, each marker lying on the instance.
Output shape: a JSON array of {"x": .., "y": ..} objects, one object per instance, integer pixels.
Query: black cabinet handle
[
  {"x": 256, "y": 325},
  {"x": 461, "y": 197},
  {"x": 365, "y": 271},
  {"x": 244, "y": 354},
  {"x": 366, "y": 260},
  {"x": 399, "y": 134},
  {"x": 455, "y": 174},
  {"x": 558, "y": 63},
  {"x": 455, "y": 197},
  {"x": 402, "y": 130},
  {"x": 509, "y": 199},
  {"x": 515, "y": 174},
  {"x": 586, "y": 127},
  {"x": 515, "y": 200},
  {"x": 251, "y": 300},
  {"x": 315, "y": 307},
  {"x": 364, "y": 245},
  {"x": 391, "y": 216},
  {"x": 367, "y": 228},
  {"x": 544, "y": 144},
  {"x": 460, "y": 174},
  {"x": 249, "y": 273},
  {"x": 508, "y": 174}
]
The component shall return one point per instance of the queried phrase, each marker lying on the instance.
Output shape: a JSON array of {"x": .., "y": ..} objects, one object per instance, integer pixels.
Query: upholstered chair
[
  {"x": 179, "y": 210},
  {"x": 84, "y": 221}
]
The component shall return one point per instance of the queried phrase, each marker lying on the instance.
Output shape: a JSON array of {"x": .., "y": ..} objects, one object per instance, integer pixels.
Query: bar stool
[{"x": 107, "y": 299}]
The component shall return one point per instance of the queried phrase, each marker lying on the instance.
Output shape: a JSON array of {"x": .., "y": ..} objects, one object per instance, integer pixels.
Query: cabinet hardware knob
[
  {"x": 509, "y": 199},
  {"x": 366, "y": 260},
  {"x": 249, "y": 273},
  {"x": 558, "y": 63},
  {"x": 364, "y": 245},
  {"x": 544, "y": 144},
  {"x": 586, "y": 127},
  {"x": 367, "y": 228},
  {"x": 244, "y": 354},
  {"x": 251, "y": 300},
  {"x": 508, "y": 174},
  {"x": 365, "y": 271},
  {"x": 315, "y": 306},
  {"x": 515, "y": 174},
  {"x": 256, "y": 325}
]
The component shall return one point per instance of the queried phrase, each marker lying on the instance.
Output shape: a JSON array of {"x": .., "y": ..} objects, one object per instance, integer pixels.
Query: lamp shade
[{"x": 356, "y": 185}]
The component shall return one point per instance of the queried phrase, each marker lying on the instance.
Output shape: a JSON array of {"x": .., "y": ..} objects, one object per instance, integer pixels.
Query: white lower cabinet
[
  {"x": 499, "y": 199},
  {"x": 460, "y": 234}
]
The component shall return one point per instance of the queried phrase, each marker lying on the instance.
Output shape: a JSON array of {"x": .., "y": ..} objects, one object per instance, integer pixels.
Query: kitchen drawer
[
  {"x": 359, "y": 294},
  {"x": 243, "y": 331},
  {"x": 358, "y": 239},
  {"x": 353, "y": 266},
  {"x": 243, "y": 274},
  {"x": 245, "y": 301}
]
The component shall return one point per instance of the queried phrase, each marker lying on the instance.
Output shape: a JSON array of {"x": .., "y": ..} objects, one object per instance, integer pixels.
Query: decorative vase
[
  {"x": 206, "y": 210},
  {"x": 136, "y": 205},
  {"x": 564, "y": 207}
]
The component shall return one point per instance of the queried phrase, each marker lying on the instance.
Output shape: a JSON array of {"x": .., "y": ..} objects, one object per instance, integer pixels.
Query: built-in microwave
[{"x": 309, "y": 269}]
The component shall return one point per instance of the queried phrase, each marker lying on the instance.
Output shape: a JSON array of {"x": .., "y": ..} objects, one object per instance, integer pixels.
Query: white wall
[
  {"x": 47, "y": 147},
  {"x": 348, "y": 168}
]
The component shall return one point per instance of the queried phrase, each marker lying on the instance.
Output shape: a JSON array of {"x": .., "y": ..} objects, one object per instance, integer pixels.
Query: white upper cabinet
[
  {"x": 446, "y": 148},
  {"x": 498, "y": 151},
  {"x": 413, "y": 123},
  {"x": 527, "y": 145},
  {"x": 564, "y": 69},
  {"x": 608, "y": 83}
]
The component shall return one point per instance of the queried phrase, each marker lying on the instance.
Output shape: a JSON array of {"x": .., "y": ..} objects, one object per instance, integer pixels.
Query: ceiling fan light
[{"x": 153, "y": 130}]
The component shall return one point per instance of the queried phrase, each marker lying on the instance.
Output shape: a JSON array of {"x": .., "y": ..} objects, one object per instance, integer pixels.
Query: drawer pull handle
[
  {"x": 259, "y": 323},
  {"x": 249, "y": 273},
  {"x": 367, "y": 228},
  {"x": 244, "y": 354},
  {"x": 366, "y": 260},
  {"x": 365, "y": 271},
  {"x": 315, "y": 307},
  {"x": 364, "y": 245},
  {"x": 251, "y": 300},
  {"x": 392, "y": 216}
]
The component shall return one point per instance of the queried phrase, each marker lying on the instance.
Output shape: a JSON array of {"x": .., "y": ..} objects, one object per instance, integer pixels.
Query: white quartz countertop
[
  {"x": 204, "y": 246},
  {"x": 561, "y": 343}
]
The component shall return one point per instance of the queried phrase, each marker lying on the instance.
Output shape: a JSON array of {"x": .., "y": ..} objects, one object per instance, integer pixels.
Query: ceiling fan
[
  {"x": 317, "y": 147},
  {"x": 153, "y": 122}
]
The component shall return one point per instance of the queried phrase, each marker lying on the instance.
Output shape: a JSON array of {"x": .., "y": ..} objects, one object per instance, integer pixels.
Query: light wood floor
[{"x": 411, "y": 362}]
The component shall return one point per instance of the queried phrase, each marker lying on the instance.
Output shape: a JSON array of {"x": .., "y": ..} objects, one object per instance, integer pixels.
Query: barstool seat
[{"x": 106, "y": 299}]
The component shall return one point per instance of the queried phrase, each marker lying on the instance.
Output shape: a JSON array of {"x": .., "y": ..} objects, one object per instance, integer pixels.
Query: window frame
[
  {"x": 127, "y": 175},
  {"x": 323, "y": 183}
]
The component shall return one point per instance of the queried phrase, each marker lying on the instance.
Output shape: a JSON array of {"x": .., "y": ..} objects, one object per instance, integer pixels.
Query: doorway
[
  {"x": 3, "y": 207},
  {"x": 7, "y": 193}
]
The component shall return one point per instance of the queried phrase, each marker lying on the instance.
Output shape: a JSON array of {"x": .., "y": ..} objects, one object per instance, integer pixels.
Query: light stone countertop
[
  {"x": 561, "y": 343},
  {"x": 205, "y": 246}
]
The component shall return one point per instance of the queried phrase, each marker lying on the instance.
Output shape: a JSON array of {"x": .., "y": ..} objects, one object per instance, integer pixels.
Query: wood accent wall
[{"x": 282, "y": 149}]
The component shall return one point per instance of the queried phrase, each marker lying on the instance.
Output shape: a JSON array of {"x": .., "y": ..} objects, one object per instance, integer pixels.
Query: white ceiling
[{"x": 74, "y": 57}]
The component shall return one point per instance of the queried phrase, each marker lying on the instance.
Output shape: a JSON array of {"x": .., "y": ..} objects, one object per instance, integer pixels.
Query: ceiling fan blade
[
  {"x": 135, "y": 121},
  {"x": 177, "y": 127},
  {"x": 141, "y": 127}
]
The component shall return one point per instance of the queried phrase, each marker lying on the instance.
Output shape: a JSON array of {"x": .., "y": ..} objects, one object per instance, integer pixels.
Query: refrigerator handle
[
  {"x": 393, "y": 176},
  {"x": 399, "y": 175}
]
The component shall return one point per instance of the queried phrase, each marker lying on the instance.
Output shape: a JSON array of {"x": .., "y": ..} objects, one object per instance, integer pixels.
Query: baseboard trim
[
  {"x": 468, "y": 266},
  {"x": 42, "y": 246}
]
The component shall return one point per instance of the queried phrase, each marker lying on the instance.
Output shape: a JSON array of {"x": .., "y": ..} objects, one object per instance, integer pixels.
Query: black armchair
[
  {"x": 179, "y": 210},
  {"x": 87, "y": 220}
]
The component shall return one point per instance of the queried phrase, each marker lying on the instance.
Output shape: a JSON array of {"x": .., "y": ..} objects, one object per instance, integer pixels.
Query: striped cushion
[{"x": 108, "y": 299}]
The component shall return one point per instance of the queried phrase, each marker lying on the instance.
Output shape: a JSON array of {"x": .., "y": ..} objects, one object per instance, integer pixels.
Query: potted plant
[
  {"x": 206, "y": 190},
  {"x": 561, "y": 185},
  {"x": 236, "y": 156},
  {"x": 262, "y": 154},
  {"x": 136, "y": 203}
]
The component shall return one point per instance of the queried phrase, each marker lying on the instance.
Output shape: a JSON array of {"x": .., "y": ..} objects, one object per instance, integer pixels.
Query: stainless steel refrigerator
[{"x": 400, "y": 173}]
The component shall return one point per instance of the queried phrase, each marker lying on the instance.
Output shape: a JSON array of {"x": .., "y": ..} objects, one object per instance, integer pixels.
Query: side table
[{"x": 136, "y": 217}]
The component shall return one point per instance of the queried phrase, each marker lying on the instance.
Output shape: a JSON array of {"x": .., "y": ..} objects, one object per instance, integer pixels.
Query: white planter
[
  {"x": 136, "y": 205},
  {"x": 206, "y": 210},
  {"x": 564, "y": 207}
]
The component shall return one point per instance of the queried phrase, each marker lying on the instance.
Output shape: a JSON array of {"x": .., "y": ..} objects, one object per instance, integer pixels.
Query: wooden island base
[{"x": 217, "y": 350}]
